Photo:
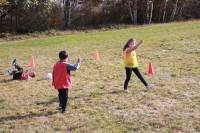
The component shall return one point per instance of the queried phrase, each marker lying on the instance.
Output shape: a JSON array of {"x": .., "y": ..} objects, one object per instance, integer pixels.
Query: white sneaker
[
  {"x": 150, "y": 86},
  {"x": 126, "y": 91}
]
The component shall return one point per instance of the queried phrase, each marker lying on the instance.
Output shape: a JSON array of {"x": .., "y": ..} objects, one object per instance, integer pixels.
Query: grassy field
[{"x": 97, "y": 102}]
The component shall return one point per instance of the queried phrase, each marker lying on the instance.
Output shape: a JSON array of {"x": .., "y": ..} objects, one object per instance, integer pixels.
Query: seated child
[{"x": 17, "y": 71}]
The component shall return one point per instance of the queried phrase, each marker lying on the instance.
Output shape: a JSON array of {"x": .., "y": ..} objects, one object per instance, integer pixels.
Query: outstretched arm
[
  {"x": 73, "y": 67},
  {"x": 135, "y": 47}
]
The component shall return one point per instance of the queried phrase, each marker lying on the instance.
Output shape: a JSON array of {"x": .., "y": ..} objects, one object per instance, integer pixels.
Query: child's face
[{"x": 132, "y": 43}]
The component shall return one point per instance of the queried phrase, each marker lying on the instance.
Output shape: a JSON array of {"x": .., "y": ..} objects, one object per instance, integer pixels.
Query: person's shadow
[
  {"x": 47, "y": 103},
  {"x": 96, "y": 94},
  {"x": 30, "y": 115},
  {"x": 6, "y": 81}
]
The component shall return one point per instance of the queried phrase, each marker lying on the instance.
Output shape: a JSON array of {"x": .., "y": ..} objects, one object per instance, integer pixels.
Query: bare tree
[
  {"x": 130, "y": 11},
  {"x": 135, "y": 12},
  {"x": 164, "y": 10},
  {"x": 151, "y": 11},
  {"x": 174, "y": 10},
  {"x": 68, "y": 5},
  {"x": 147, "y": 11},
  {"x": 180, "y": 10},
  {"x": 69, "y": 12},
  {"x": 132, "y": 5}
]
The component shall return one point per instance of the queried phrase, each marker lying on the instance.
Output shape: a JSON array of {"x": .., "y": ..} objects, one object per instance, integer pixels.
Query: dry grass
[{"x": 97, "y": 102}]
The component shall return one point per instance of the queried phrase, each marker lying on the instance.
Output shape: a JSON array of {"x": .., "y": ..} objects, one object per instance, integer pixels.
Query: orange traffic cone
[
  {"x": 96, "y": 56},
  {"x": 32, "y": 62},
  {"x": 150, "y": 69}
]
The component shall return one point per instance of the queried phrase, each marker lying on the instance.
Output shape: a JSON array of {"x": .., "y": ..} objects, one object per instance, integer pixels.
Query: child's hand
[
  {"x": 78, "y": 63},
  {"x": 141, "y": 41},
  {"x": 79, "y": 60}
]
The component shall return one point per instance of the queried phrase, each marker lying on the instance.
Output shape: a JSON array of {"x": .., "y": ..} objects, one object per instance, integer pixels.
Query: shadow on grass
[
  {"x": 96, "y": 94},
  {"x": 6, "y": 81},
  {"x": 91, "y": 95},
  {"x": 21, "y": 117},
  {"x": 1, "y": 100},
  {"x": 47, "y": 103}
]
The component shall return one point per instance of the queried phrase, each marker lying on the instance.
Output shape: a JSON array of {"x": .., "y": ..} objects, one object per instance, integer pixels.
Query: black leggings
[
  {"x": 63, "y": 98},
  {"x": 17, "y": 75},
  {"x": 128, "y": 76}
]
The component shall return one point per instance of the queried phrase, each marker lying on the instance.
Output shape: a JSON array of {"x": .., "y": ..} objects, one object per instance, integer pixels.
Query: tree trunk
[
  {"x": 160, "y": 12},
  {"x": 180, "y": 11},
  {"x": 147, "y": 11},
  {"x": 151, "y": 11},
  {"x": 69, "y": 13},
  {"x": 16, "y": 18},
  {"x": 135, "y": 12},
  {"x": 130, "y": 11},
  {"x": 174, "y": 11},
  {"x": 164, "y": 10},
  {"x": 143, "y": 13},
  {"x": 65, "y": 12}
]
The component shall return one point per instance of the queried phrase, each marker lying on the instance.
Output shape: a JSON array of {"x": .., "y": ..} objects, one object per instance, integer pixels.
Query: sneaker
[
  {"x": 126, "y": 91},
  {"x": 150, "y": 86},
  {"x": 63, "y": 110}
]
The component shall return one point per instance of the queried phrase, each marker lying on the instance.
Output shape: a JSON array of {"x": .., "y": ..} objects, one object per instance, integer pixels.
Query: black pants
[
  {"x": 63, "y": 98},
  {"x": 17, "y": 75},
  {"x": 128, "y": 76}
]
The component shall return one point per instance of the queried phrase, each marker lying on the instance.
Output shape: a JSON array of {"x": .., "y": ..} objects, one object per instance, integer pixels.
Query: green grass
[{"x": 97, "y": 102}]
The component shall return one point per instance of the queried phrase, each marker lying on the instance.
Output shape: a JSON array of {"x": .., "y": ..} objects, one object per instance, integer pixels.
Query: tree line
[{"x": 39, "y": 15}]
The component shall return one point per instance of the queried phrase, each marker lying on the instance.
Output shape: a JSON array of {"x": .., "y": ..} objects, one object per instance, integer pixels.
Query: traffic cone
[
  {"x": 96, "y": 56},
  {"x": 150, "y": 69},
  {"x": 32, "y": 62}
]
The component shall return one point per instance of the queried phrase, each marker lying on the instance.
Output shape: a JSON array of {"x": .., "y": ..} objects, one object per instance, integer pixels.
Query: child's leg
[
  {"x": 64, "y": 99},
  {"x": 60, "y": 98},
  {"x": 128, "y": 77},
  {"x": 17, "y": 75},
  {"x": 137, "y": 72}
]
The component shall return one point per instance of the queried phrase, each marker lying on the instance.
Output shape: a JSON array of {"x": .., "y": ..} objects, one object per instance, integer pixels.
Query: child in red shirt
[{"x": 62, "y": 79}]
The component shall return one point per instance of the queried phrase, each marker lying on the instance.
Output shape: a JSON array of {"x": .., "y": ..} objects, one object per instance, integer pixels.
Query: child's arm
[
  {"x": 135, "y": 47},
  {"x": 72, "y": 67}
]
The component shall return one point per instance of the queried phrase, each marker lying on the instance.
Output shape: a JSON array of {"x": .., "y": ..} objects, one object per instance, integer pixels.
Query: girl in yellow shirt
[{"x": 131, "y": 63}]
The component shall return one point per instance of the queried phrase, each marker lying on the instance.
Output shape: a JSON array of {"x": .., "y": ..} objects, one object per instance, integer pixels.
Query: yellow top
[{"x": 130, "y": 59}]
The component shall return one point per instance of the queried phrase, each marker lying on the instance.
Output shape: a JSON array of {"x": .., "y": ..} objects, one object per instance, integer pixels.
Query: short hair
[{"x": 63, "y": 55}]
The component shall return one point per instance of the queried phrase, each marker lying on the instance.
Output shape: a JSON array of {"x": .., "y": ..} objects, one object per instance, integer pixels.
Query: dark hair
[
  {"x": 63, "y": 55},
  {"x": 127, "y": 43}
]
